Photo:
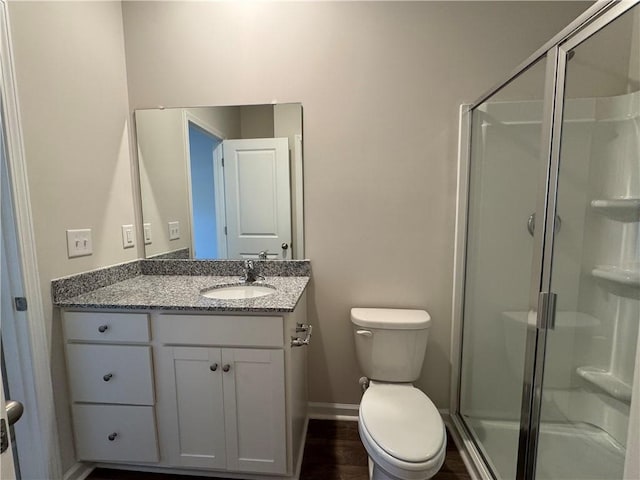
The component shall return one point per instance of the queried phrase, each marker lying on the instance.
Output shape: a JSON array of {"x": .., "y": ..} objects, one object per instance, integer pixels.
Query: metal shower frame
[{"x": 541, "y": 299}]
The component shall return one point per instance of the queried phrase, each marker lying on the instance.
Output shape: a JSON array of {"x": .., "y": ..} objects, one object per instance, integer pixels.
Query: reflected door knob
[{"x": 226, "y": 367}]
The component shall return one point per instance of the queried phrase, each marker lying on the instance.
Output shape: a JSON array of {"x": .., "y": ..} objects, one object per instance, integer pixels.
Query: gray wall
[{"x": 380, "y": 84}]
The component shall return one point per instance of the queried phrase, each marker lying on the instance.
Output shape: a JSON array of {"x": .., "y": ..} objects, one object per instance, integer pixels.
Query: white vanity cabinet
[
  {"x": 111, "y": 384},
  {"x": 221, "y": 386},
  {"x": 224, "y": 409},
  {"x": 219, "y": 392}
]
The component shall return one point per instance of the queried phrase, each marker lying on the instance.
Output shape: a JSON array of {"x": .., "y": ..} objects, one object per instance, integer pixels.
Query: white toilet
[{"x": 400, "y": 427}]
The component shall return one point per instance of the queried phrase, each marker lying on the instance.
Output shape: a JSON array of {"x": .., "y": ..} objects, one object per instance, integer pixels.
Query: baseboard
[
  {"x": 333, "y": 411},
  {"x": 79, "y": 471},
  {"x": 446, "y": 418},
  {"x": 349, "y": 412}
]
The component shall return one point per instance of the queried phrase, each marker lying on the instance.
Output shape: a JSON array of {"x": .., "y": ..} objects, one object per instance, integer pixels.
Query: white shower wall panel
[
  {"x": 614, "y": 166},
  {"x": 599, "y": 160}
]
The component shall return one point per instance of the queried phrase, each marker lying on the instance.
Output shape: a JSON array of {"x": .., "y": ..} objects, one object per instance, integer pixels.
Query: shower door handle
[
  {"x": 547, "y": 310},
  {"x": 531, "y": 223}
]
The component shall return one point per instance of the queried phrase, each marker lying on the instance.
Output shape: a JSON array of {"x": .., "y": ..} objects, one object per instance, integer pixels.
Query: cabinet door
[
  {"x": 254, "y": 399},
  {"x": 191, "y": 407}
]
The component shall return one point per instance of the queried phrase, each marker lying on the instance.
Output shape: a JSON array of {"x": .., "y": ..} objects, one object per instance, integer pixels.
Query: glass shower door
[
  {"x": 595, "y": 269},
  {"x": 506, "y": 161}
]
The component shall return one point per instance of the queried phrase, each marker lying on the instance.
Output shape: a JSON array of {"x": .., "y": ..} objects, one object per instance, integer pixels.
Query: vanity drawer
[
  {"x": 226, "y": 330},
  {"x": 110, "y": 374},
  {"x": 106, "y": 327},
  {"x": 115, "y": 433}
]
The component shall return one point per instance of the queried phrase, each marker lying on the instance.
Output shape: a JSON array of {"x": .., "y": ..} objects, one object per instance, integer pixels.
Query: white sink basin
[{"x": 239, "y": 292}]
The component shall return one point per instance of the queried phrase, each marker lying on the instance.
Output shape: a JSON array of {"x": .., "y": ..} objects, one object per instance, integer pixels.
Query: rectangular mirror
[{"x": 222, "y": 182}]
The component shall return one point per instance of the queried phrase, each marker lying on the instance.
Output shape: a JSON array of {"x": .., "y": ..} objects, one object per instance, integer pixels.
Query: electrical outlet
[
  {"x": 147, "y": 233},
  {"x": 174, "y": 230},
  {"x": 128, "y": 239},
  {"x": 79, "y": 243}
]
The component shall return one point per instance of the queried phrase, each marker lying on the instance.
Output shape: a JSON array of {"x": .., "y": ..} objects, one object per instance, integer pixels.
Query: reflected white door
[
  {"x": 257, "y": 197},
  {"x": 7, "y": 469}
]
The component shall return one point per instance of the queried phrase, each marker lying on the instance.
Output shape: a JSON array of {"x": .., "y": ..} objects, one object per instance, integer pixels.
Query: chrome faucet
[{"x": 249, "y": 272}]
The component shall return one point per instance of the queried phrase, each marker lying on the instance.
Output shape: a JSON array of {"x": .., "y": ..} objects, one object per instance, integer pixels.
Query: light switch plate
[
  {"x": 128, "y": 238},
  {"x": 174, "y": 230},
  {"x": 147, "y": 233},
  {"x": 79, "y": 242}
]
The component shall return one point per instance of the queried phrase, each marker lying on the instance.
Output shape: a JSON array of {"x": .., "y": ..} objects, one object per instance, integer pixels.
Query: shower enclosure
[{"x": 547, "y": 298}]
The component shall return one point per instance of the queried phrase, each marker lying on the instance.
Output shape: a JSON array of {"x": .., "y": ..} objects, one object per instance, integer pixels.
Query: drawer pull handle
[
  {"x": 226, "y": 367},
  {"x": 103, "y": 328},
  {"x": 107, "y": 377},
  {"x": 213, "y": 367},
  {"x": 112, "y": 437}
]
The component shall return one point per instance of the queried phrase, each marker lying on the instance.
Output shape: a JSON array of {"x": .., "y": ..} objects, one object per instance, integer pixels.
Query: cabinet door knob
[
  {"x": 213, "y": 367},
  {"x": 226, "y": 367},
  {"x": 107, "y": 377},
  {"x": 103, "y": 328},
  {"x": 112, "y": 437}
]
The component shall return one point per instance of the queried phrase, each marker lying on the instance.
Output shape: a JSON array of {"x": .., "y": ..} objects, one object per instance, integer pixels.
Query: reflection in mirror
[{"x": 222, "y": 182}]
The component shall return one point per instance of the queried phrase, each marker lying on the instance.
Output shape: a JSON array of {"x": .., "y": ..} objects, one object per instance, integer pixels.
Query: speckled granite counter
[
  {"x": 140, "y": 289},
  {"x": 182, "y": 292}
]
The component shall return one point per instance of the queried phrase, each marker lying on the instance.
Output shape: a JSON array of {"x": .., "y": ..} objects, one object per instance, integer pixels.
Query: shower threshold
[{"x": 565, "y": 452}]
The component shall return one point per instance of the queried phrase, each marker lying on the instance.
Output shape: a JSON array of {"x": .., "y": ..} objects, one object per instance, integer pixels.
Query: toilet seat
[{"x": 402, "y": 430}]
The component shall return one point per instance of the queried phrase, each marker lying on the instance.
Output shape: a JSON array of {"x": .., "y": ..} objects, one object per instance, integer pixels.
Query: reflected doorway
[{"x": 207, "y": 195}]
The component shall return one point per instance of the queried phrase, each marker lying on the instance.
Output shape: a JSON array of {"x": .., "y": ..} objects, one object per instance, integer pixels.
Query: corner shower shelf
[
  {"x": 623, "y": 209},
  {"x": 624, "y": 276},
  {"x": 607, "y": 382}
]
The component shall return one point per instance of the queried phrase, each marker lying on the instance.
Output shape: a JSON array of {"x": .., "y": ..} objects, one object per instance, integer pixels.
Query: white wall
[
  {"x": 287, "y": 122},
  {"x": 256, "y": 121},
  {"x": 380, "y": 84},
  {"x": 163, "y": 164},
  {"x": 72, "y": 89}
]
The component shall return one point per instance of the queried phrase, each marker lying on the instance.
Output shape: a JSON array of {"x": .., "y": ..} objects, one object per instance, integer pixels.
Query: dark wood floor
[{"x": 333, "y": 452}]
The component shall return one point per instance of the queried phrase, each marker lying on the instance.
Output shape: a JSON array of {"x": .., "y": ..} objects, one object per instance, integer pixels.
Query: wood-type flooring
[{"x": 333, "y": 452}]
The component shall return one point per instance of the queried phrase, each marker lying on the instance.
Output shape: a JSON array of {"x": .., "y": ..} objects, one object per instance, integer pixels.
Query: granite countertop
[{"x": 182, "y": 292}]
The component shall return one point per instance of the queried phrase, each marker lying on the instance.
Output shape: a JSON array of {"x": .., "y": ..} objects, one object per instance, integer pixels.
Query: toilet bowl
[
  {"x": 402, "y": 432},
  {"x": 400, "y": 427}
]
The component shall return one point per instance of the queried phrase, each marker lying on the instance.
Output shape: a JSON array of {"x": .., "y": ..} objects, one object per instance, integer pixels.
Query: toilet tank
[{"x": 390, "y": 343}]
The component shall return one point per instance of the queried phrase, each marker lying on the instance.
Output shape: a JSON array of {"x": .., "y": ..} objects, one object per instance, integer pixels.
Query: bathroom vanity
[{"x": 161, "y": 377}]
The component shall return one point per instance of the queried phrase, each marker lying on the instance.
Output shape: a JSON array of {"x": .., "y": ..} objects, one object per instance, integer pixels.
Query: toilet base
[
  {"x": 393, "y": 472},
  {"x": 377, "y": 473}
]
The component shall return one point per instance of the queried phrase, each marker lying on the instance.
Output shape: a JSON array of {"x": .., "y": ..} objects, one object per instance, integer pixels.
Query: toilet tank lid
[{"x": 390, "y": 318}]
